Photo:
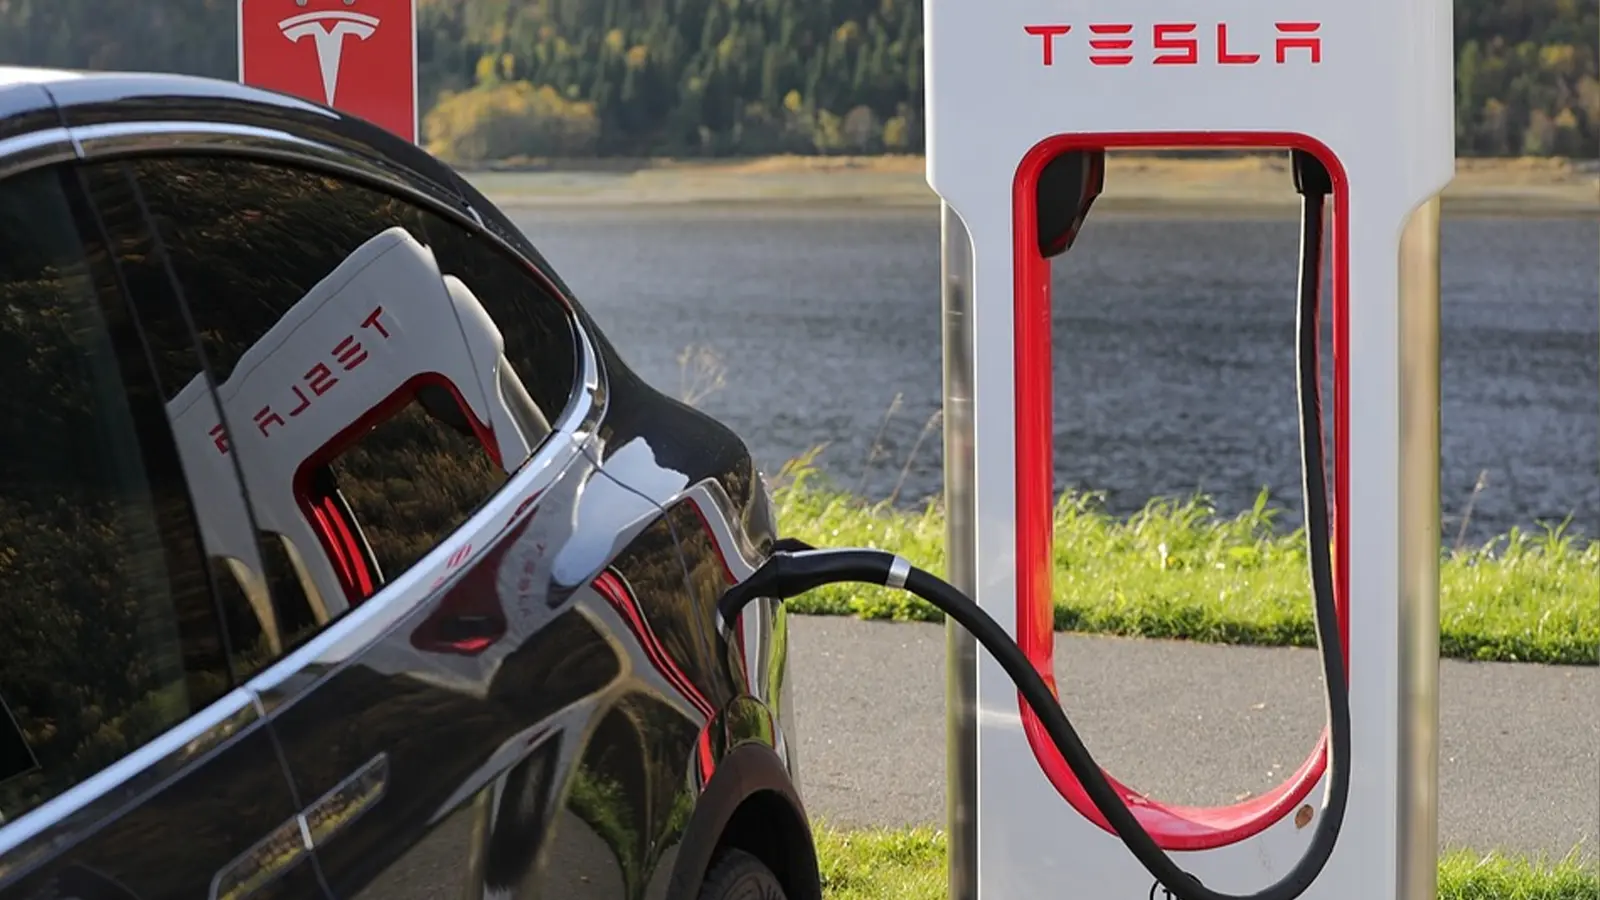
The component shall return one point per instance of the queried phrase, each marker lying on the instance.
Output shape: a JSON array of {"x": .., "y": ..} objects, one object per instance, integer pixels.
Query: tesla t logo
[
  {"x": 327, "y": 31},
  {"x": 1177, "y": 44},
  {"x": 356, "y": 56}
]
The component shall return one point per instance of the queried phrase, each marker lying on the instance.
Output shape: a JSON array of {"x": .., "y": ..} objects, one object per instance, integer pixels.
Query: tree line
[{"x": 507, "y": 78}]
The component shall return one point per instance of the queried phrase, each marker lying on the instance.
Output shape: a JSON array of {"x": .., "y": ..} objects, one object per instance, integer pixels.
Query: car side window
[
  {"x": 108, "y": 629},
  {"x": 265, "y": 605},
  {"x": 381, "y": 372}
]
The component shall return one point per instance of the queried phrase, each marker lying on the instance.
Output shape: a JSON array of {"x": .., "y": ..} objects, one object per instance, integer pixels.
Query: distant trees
[
  {"x": 1526, "y": 78},
  {"x": 687, "y": 77},
  {"x": 726, "y": 77}
]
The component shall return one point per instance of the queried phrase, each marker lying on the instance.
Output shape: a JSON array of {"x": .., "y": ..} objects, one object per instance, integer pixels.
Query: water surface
[{"x": 1174, "y": 348}]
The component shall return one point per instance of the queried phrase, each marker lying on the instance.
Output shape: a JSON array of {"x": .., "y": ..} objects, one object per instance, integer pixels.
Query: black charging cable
[{"x": 795, "y": 568}]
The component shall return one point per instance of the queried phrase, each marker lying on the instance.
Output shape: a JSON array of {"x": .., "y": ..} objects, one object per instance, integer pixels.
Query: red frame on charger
[{"x": 1172, "y": 827}]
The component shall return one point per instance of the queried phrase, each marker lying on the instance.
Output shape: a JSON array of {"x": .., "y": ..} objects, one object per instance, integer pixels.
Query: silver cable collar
[{"x": 899, "y": 571}]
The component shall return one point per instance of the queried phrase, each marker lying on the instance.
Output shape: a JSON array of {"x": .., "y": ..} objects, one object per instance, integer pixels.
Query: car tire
[{"x": 739, "y": 876}]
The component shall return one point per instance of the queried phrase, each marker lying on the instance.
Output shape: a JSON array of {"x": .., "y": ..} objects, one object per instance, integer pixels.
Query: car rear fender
[{"x": 750, "y": 804}]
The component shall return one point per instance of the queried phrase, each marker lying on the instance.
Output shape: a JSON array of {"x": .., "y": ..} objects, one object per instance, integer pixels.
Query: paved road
[{"x": 1190, "y": 723}]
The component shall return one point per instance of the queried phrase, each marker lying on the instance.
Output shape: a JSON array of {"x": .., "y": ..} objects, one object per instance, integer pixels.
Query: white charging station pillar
[{"x": 1365, "y": 86}]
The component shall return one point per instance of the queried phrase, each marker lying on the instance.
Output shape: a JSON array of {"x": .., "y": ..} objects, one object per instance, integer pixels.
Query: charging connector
[
  {"x": 1311, "y": 177},
  {"x": 794, "y": 568},
  {"x": 1068, "y": 187}
]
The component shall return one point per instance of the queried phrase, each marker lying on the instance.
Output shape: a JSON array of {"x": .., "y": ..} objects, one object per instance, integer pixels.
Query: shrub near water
[{"x": 1177, "y": 570}]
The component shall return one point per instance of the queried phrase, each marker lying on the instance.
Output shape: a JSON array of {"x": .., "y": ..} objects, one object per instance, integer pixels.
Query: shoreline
[{"x": 1135, "y": 186}]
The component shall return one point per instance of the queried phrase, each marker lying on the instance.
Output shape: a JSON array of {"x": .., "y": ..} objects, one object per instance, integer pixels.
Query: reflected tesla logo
[{"x": 327, "y": 31}]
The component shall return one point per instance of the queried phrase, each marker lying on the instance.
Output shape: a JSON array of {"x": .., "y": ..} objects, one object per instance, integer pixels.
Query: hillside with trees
[{"x": 508, "y": 78}]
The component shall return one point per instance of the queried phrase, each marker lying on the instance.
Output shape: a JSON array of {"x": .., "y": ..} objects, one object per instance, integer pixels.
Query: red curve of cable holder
[{"x": 1172, "y": 827}]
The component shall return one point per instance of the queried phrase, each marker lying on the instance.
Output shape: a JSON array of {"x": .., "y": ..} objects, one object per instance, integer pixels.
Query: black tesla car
[{"x": 343, "y": 557}]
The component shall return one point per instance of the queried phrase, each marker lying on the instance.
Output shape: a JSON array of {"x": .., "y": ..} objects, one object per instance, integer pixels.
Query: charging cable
[{"x": 795, "y": 568}]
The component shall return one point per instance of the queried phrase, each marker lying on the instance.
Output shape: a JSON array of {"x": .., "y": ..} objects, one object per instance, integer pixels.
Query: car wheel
[{"x": 740, "y": 876}]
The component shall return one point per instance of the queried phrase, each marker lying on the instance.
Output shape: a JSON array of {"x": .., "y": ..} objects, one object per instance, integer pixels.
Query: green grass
[
  {"x": 881, "y": 865},
  {"x": 1178, "y": 570},
  {"x": 909, "y": 865}
]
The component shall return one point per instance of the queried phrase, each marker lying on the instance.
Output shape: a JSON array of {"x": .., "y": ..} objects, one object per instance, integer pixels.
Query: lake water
[{"x": 1174, "y": 348}]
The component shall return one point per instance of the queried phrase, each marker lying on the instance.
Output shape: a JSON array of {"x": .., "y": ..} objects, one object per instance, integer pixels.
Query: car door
[
  {"x": 133, "y": 763},
  {"x": 474, "y": 707}
]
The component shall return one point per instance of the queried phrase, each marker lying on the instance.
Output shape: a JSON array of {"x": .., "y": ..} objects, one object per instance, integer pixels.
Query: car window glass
[
  {"x": 380, "y": 373},
  {"x": 266, "y": 605},
  {"x": 540, "y": 369},
  {"x": 108, "y": 630}
]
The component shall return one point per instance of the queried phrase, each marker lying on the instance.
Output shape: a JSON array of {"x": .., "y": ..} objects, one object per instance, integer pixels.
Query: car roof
[
  {"x": 83, "y": 98},
  {"x": 35, "y": 99},
  {"x": 11, "y": 76}
]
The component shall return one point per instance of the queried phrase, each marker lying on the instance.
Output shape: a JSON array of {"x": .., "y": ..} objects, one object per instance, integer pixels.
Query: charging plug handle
[
  {"x": 1068, "y": 186},
  {"x": 1311, "y": 177}
]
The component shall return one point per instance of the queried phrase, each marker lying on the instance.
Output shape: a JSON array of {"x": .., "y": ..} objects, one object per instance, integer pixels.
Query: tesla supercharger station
[{"x": 1366, "y": 87}]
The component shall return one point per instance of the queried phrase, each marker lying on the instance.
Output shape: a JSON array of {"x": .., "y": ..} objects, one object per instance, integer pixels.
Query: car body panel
[
  {"x": 202, "y": 811},
  {"x": 518, "y": 744}
]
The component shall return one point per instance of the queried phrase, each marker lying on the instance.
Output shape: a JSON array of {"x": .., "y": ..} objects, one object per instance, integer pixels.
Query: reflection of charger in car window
[{"x": 378, "y": 347}]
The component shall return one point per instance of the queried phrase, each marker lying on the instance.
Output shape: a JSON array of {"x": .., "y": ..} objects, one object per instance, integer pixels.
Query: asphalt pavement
[{"x": 1519, "y": 766}]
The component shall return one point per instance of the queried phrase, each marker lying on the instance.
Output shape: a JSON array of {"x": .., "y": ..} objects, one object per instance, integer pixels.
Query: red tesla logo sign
[
  {"x": 1177, "y": 44},
  {"x": 357, "y": 56}
]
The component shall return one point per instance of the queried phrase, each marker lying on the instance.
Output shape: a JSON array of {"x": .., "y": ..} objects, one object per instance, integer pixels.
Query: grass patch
[
  {"x": 903, "y": 864},
  {"x": 1178, "y": 570},
  {"x": 908, "y": 864},
  {"x": 1469, "y": 876}
]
